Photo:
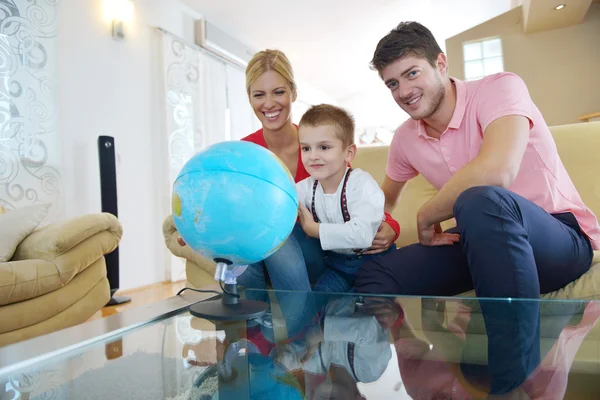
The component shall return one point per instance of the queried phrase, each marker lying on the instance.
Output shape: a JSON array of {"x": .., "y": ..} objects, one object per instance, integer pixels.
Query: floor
[{"x": 141, "y": 296}]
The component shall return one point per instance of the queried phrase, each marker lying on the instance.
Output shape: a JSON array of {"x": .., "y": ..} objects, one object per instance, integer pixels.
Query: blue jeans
[
  {"x": 509, "y": 247},
  {"x": 341, "y": 270},
  {"x": 292, "y": 268}
]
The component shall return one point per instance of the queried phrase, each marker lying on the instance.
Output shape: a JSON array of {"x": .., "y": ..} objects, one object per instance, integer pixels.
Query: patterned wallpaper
[{"x": 30, "y": 149}]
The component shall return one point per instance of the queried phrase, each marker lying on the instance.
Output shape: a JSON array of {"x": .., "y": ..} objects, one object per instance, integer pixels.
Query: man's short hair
[{"x": 408, "y": 38}]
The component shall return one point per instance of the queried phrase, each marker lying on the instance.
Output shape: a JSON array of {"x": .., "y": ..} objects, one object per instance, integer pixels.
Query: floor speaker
[{"x": 108, "y": 193}]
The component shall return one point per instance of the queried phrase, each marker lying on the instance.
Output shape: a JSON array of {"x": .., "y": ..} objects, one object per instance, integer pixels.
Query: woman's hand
[
  {"x": 310, "y": 227},
  {"x": 383, "y": 239},
  {"x": 181, "y": 242}
]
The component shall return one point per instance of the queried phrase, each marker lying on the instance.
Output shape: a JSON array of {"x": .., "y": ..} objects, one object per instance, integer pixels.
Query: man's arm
[
  {"x": 391, "y": 190},
  {"x": 386, "y": 234},
  {"x": 497, "y": 164}
]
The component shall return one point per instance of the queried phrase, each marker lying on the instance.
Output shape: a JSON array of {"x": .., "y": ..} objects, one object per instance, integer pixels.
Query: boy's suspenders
[
  {"x": 343, "y": 201},
  {"x": 343, "y": 204}
]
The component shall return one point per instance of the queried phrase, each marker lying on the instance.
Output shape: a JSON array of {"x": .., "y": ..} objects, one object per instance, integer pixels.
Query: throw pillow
[{"x": 16, "y": 225}]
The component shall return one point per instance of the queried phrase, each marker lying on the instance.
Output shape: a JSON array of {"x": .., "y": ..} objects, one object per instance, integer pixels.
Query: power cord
[
  {"x": 237, "y": 296},
  {"x": 197, "y": 290},
  {"x": 210, "y": 291}
]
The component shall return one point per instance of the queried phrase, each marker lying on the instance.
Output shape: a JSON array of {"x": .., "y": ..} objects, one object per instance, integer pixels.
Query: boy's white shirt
[
  {"x": 372, "y": 352},
  {"x": 365, "y": 201}
]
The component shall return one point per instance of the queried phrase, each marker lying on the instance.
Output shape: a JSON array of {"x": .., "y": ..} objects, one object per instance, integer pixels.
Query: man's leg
[
  {"x": 512, "y": 248},
  {"x": 515, "y": 249},
  {"x": 417, "y": 270}
]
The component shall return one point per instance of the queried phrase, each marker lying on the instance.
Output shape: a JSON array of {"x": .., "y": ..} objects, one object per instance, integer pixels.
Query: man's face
[{"x": 416, "y": 86}]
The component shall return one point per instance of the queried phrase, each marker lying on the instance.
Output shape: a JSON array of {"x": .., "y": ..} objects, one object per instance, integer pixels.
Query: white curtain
[
  {"x": 241, "y": 117},
  {"x": 181, "y": 77},
  {"x": 30, "y": 145},
  {"x": 205, "y": 103},
  {"x": 213, "y": 101}
]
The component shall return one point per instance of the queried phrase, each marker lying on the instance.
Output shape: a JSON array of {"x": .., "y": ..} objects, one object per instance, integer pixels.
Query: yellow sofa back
[{"x": 578, "y": 146}]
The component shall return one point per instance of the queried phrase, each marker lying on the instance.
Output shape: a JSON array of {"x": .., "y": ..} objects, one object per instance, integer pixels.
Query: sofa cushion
[
  {"x": 29, "y": 313},
  {"x": 578, "y": 146},
  {"x": 16, "y": 225}
]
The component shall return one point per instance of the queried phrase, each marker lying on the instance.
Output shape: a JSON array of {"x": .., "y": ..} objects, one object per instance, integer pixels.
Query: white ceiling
[{"x": 330, "y": 42}]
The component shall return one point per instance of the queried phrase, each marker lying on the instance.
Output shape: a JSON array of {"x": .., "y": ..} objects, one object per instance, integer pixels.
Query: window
[{"x": 483, "y": 57}]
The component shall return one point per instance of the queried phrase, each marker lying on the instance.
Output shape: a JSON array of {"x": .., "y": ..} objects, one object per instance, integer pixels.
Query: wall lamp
[{"x": 118, "y": 13}]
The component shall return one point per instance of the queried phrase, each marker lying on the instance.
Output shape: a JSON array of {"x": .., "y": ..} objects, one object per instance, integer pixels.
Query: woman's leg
[
  {"x": 314, "y": 256},
  {"x": 253, "y": 278},
  {"x": 290, "y": 278}
]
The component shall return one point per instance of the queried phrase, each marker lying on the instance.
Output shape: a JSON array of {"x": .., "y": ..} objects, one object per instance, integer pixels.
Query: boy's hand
[{"x": 310, "y": 227}]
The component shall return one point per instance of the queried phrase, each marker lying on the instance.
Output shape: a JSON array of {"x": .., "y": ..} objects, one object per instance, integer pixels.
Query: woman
[{"x": 271, "y": 89}]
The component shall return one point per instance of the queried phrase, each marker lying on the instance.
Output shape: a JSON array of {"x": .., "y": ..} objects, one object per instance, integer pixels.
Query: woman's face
[{"x": 271, "y": 99}]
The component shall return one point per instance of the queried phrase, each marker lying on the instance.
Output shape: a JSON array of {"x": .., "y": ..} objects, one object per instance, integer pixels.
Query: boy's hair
[
  {"x": 338, "y": 118},
  {"x": 408, "y": 38}
]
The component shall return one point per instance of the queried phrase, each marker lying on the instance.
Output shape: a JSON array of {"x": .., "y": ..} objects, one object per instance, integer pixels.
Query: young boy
[{"x": 339, "y": 206}]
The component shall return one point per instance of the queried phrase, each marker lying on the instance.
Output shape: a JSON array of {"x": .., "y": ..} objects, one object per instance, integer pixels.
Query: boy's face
[
  {"x": 416, "y": 86},
  {"x": 324, "y": 155}
]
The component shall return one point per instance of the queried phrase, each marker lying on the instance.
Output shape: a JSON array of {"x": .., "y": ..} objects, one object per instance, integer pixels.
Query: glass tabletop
[{"x": 336, "y": 346}]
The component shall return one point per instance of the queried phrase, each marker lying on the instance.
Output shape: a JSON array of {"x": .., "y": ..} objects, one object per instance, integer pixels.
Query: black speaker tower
[{"x": 108, "y": 190}]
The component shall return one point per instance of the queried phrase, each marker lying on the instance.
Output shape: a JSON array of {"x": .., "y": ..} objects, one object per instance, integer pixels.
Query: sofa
[{"x": 57, "y": 277}]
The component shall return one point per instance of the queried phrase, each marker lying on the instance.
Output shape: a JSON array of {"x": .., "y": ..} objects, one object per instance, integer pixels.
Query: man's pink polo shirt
[{"x": 542, "y": 177}]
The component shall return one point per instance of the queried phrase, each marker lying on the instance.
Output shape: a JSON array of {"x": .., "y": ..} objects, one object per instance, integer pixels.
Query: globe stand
[{"x": 230, "y": 307}]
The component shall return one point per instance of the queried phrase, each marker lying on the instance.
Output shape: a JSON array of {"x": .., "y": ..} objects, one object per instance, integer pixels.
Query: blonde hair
[
  {"x": 339, "y": 119},
  {"x": 270, "y": 60}
]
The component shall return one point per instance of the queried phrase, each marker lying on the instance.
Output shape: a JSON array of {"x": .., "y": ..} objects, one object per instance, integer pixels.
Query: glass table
[{"x": 319, "y": 346}]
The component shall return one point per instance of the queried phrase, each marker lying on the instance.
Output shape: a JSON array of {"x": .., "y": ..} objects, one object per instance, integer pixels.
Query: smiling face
[
  {"x": 323, "y": 154},
  {"x": 271, "y": 99},
  {"x": 416, "y": 86}
]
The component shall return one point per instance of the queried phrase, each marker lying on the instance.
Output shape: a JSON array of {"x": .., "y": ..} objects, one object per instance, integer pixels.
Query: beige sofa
[
  {"x": 577, "y": 144},
  {"x": 57, "y": 277}
]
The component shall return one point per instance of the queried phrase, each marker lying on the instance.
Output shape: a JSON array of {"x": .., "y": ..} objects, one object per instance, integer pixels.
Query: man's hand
[
  {"x": 383, "y": 239},
  {"x": 432, "y": 235},
  {"x": 310, "y": 227}
]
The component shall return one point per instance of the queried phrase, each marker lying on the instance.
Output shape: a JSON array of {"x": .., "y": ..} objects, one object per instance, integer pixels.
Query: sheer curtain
[
  {"x": 242, "y": 119},
  {"x": 213, "y": 101},
  {"x": 205, "y": 103}
]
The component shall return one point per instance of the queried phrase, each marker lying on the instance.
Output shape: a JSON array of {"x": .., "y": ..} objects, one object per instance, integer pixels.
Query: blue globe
[{"x": 235, "y": 201}]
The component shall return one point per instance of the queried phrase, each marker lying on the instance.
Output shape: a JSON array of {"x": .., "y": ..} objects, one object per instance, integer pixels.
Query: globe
[{"x": 234, "y": 202}]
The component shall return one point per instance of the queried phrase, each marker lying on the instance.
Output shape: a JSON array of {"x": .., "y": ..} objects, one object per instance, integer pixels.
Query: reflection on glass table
[{"x": 317, "y": 346}]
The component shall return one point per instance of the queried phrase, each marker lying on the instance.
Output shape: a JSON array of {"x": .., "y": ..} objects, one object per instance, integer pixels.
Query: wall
[
  {"x": 375, "y": 107},
  {"x": 106, "y": 87},
  {"x": 560, "y": 66}
]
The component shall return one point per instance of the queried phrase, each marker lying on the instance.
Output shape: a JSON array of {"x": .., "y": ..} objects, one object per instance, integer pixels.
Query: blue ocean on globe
[{"x": 236, "y": 201}]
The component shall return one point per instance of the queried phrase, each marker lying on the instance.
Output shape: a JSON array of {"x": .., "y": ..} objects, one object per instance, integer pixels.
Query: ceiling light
[{"x": 560, "y": 7}]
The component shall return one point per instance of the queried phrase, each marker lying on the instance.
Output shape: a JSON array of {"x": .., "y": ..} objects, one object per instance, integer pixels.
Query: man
[{"x": 522, "y": 228}]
